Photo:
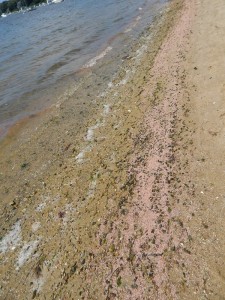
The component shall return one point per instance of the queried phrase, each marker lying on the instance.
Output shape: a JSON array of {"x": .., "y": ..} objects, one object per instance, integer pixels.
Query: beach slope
[{"x": 130, "y": 204}]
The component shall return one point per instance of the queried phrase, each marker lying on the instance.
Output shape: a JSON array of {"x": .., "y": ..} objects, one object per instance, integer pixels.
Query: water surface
[{"x": 40, "y": 48}]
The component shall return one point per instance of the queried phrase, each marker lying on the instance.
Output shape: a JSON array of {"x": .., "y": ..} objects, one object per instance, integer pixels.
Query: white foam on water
[
  {"x": 25, "y": 253},
  {"x": 12, "y": 239},
  {"x": 128, "y": 29},
  {"x": 140, "y": 52},
  {"x": 134, "y": 24},
  {"x": 94, "y": 60}
]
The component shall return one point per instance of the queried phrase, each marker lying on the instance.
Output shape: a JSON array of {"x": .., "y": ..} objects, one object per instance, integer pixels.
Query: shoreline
[
  {"x": 53, "y": 192},
  {"x": 41, "y": 97},
  {"x": 85, "y": 73},
  {"x": 135, "y": 209}
]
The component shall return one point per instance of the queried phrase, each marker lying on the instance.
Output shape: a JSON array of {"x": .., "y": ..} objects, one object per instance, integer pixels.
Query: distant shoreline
[{"x": 9, "y": 7}]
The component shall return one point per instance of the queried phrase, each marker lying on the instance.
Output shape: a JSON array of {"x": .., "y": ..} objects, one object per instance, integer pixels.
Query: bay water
[{"x": 45, "y": 49}]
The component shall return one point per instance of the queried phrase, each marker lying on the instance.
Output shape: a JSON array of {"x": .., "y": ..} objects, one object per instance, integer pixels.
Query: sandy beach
[{"x": 126, "y": 203}]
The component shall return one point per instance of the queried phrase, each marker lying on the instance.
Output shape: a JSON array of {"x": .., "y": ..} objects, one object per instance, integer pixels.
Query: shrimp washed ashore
[{"x": 128, "y": 203}]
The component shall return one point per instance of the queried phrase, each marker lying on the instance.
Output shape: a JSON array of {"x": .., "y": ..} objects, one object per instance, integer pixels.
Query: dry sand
[{"x": 129, "y": 204}]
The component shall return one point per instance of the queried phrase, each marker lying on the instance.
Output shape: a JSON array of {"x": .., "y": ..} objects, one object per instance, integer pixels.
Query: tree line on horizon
[{"x": 15, "y": 5}]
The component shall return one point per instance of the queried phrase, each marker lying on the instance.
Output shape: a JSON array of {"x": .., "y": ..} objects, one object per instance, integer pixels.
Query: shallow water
[{"x": 41, "y": 48}]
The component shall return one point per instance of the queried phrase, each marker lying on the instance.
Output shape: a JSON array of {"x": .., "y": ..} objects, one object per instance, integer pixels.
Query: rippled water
[{"x": 39, "y": 48}]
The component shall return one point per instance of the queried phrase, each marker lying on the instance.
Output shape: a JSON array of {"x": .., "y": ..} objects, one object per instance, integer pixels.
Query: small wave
[
  {"x": 118, "y": 19},
  {"x": 55, "y": 67},
  {"x": 72, "y": 52},
  {"x": 93, "y": 38},
  {"x": 94, "y": 60},
  {"x": 62, "y": 29},
  {"x": 133, "y": 24}
]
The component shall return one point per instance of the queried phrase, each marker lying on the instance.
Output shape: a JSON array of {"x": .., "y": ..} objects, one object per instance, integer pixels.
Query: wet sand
[{"x": 126, "y": 202}]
